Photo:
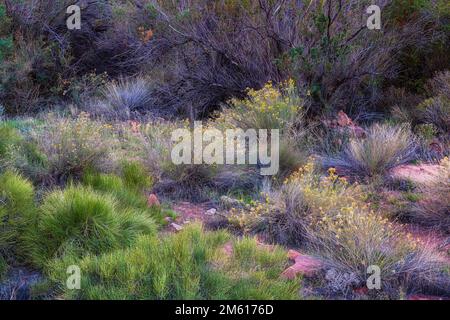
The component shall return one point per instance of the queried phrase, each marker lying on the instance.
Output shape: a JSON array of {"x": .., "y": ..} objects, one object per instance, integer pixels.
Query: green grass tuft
[
  {"x": 16, "y": 211},
  {"x": 187, "y": 265},
  {"x": 81, "y": 221}
]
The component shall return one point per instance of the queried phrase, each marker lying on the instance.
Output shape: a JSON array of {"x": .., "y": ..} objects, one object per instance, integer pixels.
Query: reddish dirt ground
[{"x": 417, "y": 173}]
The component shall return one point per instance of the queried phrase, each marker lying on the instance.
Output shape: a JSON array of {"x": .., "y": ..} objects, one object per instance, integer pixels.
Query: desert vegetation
[{"x": 87, "y": 176}]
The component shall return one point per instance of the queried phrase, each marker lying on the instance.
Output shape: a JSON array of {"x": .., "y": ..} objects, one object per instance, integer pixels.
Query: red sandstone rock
[
  {"x": 358, "y": 132},
  {"x": 292, "y": 254},
  {"x": 421, "y": 174},
  {"x": 152, "y": 201},
  {"x": 304, "y": 264},
  {"x": 228, "y": 249},
  {"x": 343, "y": 119}
]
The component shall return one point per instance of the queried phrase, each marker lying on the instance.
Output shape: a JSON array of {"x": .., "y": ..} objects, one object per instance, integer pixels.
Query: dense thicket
[{"x": 195, "y": 54}]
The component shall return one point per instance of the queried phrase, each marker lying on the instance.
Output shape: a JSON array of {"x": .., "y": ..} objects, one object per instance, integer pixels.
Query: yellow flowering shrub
[
  {"x": 329, "y": 218},
  {"x": 354, "y": 239},
  {"x": 271, "y": 107},
  {"x": 302, "y": 200}
]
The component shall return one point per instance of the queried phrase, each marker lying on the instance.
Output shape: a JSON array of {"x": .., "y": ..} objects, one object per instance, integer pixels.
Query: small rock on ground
[
  {"x": 176, "y": 227},
  {"x": 211, "y": 212},
  {"x": 303, "y": 264}
]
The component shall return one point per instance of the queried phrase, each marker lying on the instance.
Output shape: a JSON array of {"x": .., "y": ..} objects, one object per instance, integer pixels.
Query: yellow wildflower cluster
[
  {"x": 322, "y": 193},
  {"x": 359, "y": 237},
  {"x": 271, "y": 107},
  {"x": 338, "y": 220},
  {"x": 304, "y": 188},
  {"x": 248, "y": 218}
]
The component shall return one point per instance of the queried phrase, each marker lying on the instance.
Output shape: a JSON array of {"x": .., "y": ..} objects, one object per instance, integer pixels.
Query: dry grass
[
  {"x": 124, "y": 98},
  {"x": 383, "y": 148},
  {"x": 73, "y": 146}
]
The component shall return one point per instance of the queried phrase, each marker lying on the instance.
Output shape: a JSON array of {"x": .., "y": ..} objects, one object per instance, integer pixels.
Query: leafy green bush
[
  {"x": 6, "y": 43},
  {"x": 400, "y": 11},
  {"x": 3, "y": 267},
  {"x": 189, "y": 265},
  {"x": 383, "y": 148},
  {"x": 16, "y": 212},
  {"x": 6, "y": 47},
  {"x": 32, "y": 76},
  {"x": 83, "y": 221}
]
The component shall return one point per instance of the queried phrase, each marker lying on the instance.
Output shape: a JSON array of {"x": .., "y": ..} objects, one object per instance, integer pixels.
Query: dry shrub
[
  {"x": 440, "y": 84},
  {"x": 340, "y": 64},
  {"x": 284, "y": 215},
  {"x": 432, "y": 107},
  {"x": 351, "y": 239},
  {"x": 207, "y": 52},
  {"x": 30, "y": 78},
  {"x": 73, "y": 146},
  {"x": 436, "y": 110}
]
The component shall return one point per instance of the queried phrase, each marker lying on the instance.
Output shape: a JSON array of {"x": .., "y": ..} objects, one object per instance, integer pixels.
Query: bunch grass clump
[
  {"x": 18, "y": 152},
  {"x": 17, "y": 210},
  {"x": 124, "y": 98},
  {"x": 136, "y": 176},
  {"x": 128, "y": 197},
  {"x": 189, "y": 265},
  {"x": 383, "y": 148},
  {"x": 82, "y": 221}
]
